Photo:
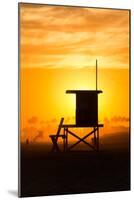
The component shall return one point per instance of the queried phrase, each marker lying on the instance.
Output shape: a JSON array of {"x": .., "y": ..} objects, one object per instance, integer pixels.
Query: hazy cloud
[
  {"x": 119, "y": 119},
  {"x": 39, "y": 135},
  {"x": 33, "y": 120},
  {"x": 61, "y": 32}
]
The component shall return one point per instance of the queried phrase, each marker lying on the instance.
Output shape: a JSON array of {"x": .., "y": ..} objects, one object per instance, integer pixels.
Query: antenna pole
[{"x": 96, "y": 74}]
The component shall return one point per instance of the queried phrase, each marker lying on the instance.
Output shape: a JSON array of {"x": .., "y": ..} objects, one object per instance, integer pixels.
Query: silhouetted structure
[
  {"x": 86, "y": 107},
  {"x": 54, "y": 138},
  {"x": 86, "y": 116}
]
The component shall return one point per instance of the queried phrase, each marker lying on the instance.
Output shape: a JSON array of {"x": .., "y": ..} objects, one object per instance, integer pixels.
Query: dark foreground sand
[{"x": 45, "y": 173}]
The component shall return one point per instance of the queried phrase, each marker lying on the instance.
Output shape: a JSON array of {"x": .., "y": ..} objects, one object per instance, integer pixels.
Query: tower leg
[
  {"x": 97, "y": 139},
  {"x": 64, "y": 140}
]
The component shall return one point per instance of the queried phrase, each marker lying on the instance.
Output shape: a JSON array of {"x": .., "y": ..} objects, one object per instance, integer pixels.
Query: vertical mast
[{"x": 96, "y": 74}]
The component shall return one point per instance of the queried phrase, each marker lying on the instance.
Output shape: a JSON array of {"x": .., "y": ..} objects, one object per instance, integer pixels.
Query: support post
[
  {"x": 94, "y": 137},
  {"x": 97, "y": 139},
  {"x": 64, "y": 140}
]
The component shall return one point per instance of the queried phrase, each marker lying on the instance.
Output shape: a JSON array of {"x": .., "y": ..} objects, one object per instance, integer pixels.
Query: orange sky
[{"x": 58, "y": 49}]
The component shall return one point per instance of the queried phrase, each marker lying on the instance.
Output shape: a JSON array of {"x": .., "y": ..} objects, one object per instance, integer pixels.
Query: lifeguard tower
[{"x": 86, "y": 116}]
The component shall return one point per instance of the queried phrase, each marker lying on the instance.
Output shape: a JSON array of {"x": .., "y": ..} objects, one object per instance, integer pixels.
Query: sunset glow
[{"x": 58, "y": 49}]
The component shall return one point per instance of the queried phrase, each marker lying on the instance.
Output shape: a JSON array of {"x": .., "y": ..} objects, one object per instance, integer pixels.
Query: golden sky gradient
[
  {"x": 56, "y": 36},
  {"x": 58, "y": 49}
]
